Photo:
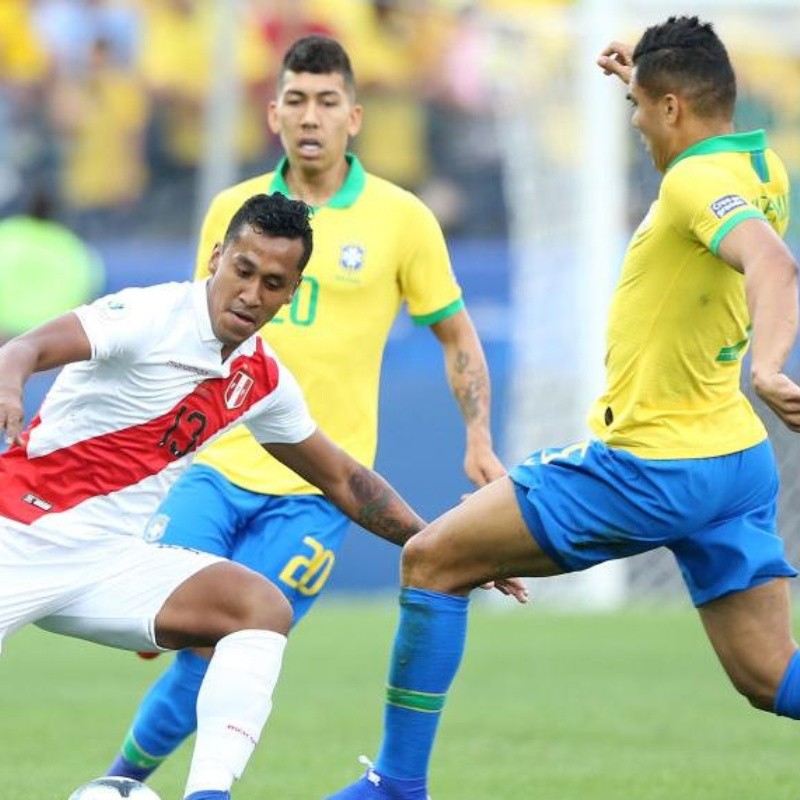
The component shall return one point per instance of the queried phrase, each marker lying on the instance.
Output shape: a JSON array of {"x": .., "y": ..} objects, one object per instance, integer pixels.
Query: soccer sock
[
  {"x": 427, "y": 651},
  {"x": 166, "y": 716},
  {"x": 787, "y": 700},
  {"x": 233, "y": 706}
]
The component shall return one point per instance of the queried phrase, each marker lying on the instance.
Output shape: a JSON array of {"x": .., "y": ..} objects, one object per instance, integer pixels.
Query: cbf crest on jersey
[
  {"x": 238, "y": 389},
  {"x": 351, "y": 257}
]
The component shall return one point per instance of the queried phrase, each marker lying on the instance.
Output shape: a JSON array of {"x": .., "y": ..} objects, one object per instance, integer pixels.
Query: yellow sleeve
[
  {"x": 209, "y": 235},
  {"x": 705, "y": 202},
  {"x": 428, "y": 284}
]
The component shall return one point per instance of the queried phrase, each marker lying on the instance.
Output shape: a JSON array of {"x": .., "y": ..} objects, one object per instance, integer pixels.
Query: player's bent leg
[
  {"x": 752, "y": 635},
  {"x": 483, "y": 538},
  {"x": 217, "y": 601}
]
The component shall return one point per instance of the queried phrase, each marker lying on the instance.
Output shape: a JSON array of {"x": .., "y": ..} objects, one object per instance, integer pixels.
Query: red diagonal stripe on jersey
[{"x": 31, "y": 487}]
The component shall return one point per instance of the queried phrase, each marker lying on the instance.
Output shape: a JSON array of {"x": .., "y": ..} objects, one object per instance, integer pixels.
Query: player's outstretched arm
[
  {"x": 617, "y": 59},
  {"x": 468, "y": 376},
  {"x": 54, "y": 344},
  {"x": 770, "y": 271},
  {"x": 359, "y": 492}
]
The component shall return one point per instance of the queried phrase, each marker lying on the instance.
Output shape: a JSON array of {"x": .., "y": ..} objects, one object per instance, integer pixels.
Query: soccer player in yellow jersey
[
  {"x": 375, "y": 247},
  {"x": 678, "y": 459}
]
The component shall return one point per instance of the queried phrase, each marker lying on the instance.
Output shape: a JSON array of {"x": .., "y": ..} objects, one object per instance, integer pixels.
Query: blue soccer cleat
[
  {"x": 210, "y": 795},
  {"x": 374, "y": 786}
]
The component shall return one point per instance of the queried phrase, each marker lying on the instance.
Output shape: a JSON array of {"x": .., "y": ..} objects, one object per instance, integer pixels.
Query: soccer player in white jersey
[{"x": 149, "y": 376}]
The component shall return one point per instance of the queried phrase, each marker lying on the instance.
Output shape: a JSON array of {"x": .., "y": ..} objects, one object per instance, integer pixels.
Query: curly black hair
[
  {"x": 685, "y": 56},
  {"x": 274, "y": 215}
]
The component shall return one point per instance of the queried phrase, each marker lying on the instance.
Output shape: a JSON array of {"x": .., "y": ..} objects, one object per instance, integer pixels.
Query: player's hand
[
  {"x": 482, "y": 466},
  {"x": 617, "y": 59},
  {"x": 511, "y": 587},
  {"x": 782, "y": 395},
  {"x": 11, "y": 415}
]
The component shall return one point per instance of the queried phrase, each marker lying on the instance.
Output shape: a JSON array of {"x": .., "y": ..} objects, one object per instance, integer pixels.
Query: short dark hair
[
  {"x": 684, "y": 55},
  {"x": 274, "y": 215},
  {"x": 320, "y": 55}
]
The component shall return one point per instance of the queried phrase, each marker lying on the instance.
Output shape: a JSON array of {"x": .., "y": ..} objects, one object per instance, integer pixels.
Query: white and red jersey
[{"x": 114, "y": 432}]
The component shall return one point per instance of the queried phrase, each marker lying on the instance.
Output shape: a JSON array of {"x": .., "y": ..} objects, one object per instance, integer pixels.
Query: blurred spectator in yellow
[
  {"x": 101, "y": 114},
  {"x": 176, "y": 59},
  {"x": 69, "y": 28},
  {"x": 24, "y": 68},
  {"x": 392, "y": 44},
  {"x": 45, "y": 269}
]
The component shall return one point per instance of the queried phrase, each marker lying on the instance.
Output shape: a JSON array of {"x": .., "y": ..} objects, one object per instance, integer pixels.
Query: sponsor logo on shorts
[
  {"x": 725, "y": 205},
  {"x": 238, "y": 389},
  {"x": 156, "y": 527},
  {"x": 33, "y": 500}
]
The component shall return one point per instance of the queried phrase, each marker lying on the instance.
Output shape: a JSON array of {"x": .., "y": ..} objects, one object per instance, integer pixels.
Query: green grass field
[{"x": 547, "y": 707}]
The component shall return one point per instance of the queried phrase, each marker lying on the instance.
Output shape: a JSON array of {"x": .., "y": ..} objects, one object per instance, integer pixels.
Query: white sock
[{"x": 233, "y": 706}]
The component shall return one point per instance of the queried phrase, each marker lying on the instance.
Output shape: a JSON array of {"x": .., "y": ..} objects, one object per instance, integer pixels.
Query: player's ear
[
  {"x": 272, "y": 117},
  {"x": 296, "y": 286},
  {"x": 671, "y": 108},
  {"x": 354, "y": 124},
  {"x": 216, "y": 254}
]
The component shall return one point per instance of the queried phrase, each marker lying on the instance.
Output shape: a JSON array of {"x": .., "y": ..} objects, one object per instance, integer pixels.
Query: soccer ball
[{"x": 113, "y": 788}]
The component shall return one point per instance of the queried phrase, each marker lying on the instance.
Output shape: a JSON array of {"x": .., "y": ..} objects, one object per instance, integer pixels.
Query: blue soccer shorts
[
  {"x": 290, "y": 539},
  {"x": 589, "y": 503}
]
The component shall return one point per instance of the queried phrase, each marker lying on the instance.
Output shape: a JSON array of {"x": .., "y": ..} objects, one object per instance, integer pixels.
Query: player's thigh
[
  {"x": 201, "y": 511},
  {"x": 484, "y": 537},
  {"x": 751, "y": 632},
  {"x": 120, "y": 599},
  {"x": 294, "y": 541}
]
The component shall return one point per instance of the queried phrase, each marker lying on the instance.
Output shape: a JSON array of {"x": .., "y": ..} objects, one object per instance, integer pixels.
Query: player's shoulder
[
  {"x": 383, "y": 191},
  {"x": 158, "y": 297}
]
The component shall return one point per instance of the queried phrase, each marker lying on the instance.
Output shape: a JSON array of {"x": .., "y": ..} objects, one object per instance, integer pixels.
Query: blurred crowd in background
[{"x": 104, "y": 103}]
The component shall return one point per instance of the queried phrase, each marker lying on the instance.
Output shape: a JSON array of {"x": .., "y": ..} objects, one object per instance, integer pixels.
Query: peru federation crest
[
  {"x": 351, "y": 257},
  {"x": 238, "y": 389}
]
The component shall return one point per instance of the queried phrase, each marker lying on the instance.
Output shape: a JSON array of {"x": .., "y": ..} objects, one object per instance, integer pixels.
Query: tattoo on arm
[
  {"x": 380, "y": 509},
  {"x": 470, "y": 385}
]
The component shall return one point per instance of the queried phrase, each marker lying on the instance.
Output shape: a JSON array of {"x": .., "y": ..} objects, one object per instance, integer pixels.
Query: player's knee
[
  {"x": 262, "y": 606},
  {"x": 425, "y": 563},
  {"x": 758, "y": 691}
]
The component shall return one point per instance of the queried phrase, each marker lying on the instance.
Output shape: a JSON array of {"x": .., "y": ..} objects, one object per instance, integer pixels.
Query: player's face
[
  {"x": 253, "y": 276},
  {"x": 315, "y": 116},
  {"x": 650, "y": 119}
]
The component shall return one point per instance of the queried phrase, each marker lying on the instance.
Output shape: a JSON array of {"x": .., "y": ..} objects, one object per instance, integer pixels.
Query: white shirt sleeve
[
  {"x": 120, "y": 324},
  {"x": 283, "y": 416}
]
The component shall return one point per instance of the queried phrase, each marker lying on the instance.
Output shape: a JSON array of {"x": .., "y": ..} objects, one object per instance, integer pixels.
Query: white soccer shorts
[{"x": 105, "y": 588}]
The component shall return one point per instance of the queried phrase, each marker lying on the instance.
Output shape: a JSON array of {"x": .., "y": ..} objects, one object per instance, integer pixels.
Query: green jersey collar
[
  {"x": 348, "y": 192},
  {"x": 747, "y": 142}
]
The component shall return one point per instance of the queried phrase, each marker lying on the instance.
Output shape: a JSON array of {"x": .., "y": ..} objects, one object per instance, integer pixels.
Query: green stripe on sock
[
  {"x": 415, "y": 701},
  {"x": 133, "y": 753}
]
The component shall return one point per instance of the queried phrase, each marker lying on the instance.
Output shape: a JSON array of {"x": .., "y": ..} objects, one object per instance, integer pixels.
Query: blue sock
[
  {"x": 166, "y": 716},
  {"x": 787, "y": 700},
  {"x": 210, "y": 795},
  {"x": 427, "y": 652}
]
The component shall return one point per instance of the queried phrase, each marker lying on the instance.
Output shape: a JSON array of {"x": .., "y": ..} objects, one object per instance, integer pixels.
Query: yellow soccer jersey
[
  {"x": 679, "y": 325},
  {"x": 375, "y": 246}
]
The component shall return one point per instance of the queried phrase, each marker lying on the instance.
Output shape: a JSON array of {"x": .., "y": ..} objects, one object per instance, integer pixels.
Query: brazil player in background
[
  {"x": 679, "y": 458},
  {"x": 376, "y": 246}
]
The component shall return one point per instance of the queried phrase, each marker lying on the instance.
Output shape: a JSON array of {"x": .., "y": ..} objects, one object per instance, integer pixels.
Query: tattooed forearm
[
  {"x": 470, "y": 384},
  {"x": 378, "y": 508}
]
